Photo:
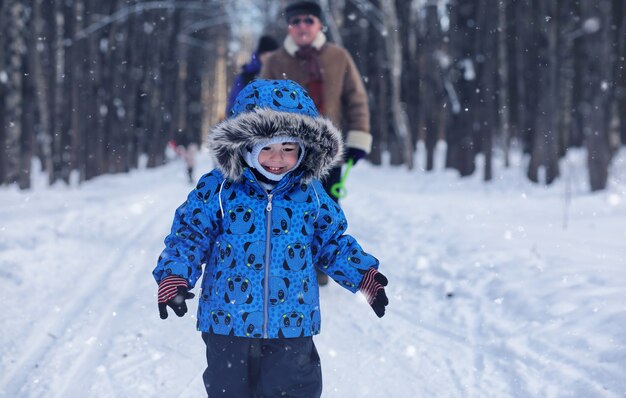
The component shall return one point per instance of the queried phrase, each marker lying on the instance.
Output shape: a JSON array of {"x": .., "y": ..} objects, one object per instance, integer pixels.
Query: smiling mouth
[{"x": 274, "y": 170}]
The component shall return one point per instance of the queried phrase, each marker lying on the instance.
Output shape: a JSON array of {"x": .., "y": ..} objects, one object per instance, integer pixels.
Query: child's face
[{"x": 279, "y": 158}]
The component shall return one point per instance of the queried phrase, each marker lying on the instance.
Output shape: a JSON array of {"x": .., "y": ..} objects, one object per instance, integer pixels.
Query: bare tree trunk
[
  {"x": 28, "y": 122},
  {"x": 171, "y": 56},
  {"x": 503, "y": 82},
  {"x": 545, "y": 149},
  {"x": 596, "y": 106},
  {"x": 69, "y": 135},
  {"x": 57, "y": 92},
  {"x": 137, "y": 97},
  {"x": 484, "y": 102},
  {"x": 576, "y": 135},
  {"x": 394, "y": 54},
  {"x": 118, "y": 102},
  {"x": 430, "y": 90},
  {"x": 108, "y": 147},
  {"x": 77, "y": 94},
  {"x": 155, "y": 93},
  {"x": 619, "y": 69},
  {"x": 61, "y": 105},
  {"x": 409, "y": 36},
  {"x": 3, "y": 90},
  {"x": 461, "y": 86},
  {"x": 513, "y": 54},
  {"x": 14, "y": 101},
  {"x": 377, "y": 89},
  {"x": 192, "y": 110},
  {"x": 42, "y": 86},
  {"x": 570, "y": 15},
  {"x": 526, "y": 73},
  {"x": 92, "y": 134}
]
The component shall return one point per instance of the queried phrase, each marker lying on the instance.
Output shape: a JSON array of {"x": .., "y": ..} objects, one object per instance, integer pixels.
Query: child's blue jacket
[
  {"x": 257, "y": 252},
  {"x": 260, "y": 251}
]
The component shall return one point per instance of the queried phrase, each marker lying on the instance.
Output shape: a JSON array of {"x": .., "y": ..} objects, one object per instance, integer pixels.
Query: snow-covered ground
[{"x": 505, "y": 289}]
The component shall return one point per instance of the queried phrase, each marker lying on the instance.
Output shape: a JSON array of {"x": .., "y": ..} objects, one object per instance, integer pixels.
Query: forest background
[{"x": 90, "y": 87}]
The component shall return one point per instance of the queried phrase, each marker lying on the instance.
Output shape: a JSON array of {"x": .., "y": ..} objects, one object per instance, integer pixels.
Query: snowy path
[{"x": 490, "y": 296}]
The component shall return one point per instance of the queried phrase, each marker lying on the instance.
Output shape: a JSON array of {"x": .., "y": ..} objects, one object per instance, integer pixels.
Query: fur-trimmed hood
[
  {"x": 322, "y": 140},
  {"x": 267, "y": 109}
]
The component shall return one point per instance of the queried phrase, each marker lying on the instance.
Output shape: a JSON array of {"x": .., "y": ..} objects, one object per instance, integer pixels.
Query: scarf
[
  {"x": 315, "y": 86},
  {"x": 265, "y": 182}
]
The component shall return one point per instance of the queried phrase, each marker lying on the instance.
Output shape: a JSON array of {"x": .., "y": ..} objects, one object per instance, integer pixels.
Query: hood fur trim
[{"x": 322, "y": 140}]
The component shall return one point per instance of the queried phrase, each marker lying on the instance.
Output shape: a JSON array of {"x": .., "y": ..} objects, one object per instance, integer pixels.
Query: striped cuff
[
  {"x": 168, "y": 288},
  {"x": 369, "y": 286}
]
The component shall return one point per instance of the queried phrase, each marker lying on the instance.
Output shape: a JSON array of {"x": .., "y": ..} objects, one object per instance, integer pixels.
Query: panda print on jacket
[{"x": 257, "y": 251}]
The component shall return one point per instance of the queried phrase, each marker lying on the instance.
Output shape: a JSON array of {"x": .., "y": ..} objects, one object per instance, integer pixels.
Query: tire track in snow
[
  {"x": 421, "y": 348},
  {"x": 70, "y": 385},
  {"x": 16, "y": 379},
  {"x": 508, "y": 346}
]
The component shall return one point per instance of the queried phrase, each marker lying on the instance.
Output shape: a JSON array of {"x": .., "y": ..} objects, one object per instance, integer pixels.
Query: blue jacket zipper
[{"x": 266, "y": 282}]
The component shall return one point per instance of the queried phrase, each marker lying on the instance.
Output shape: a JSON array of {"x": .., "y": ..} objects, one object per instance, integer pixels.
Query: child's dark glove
[
  {"x": 354, "y": 154},
  {"x": 173, "y": 292},
  {"x": 373, "y": 288}
]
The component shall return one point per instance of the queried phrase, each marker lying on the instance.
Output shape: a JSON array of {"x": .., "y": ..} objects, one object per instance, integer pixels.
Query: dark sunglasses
[{"x": 296, "y": 21}]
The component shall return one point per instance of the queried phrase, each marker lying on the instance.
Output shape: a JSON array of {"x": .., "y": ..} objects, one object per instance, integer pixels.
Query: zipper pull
[{"x": 269, "y": 202}]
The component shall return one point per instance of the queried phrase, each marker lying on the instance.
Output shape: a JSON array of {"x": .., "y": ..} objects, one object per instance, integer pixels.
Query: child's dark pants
[{"x": 248, "y": 367}]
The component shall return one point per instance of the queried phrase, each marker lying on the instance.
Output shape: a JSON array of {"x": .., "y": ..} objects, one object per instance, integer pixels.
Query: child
[
  {"x": 186, "y": 149},
  {"x": 261, "y": 222}
]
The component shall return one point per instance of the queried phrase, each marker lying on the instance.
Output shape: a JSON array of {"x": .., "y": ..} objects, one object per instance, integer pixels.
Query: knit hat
[
  {"x": 252, "y": 156},
  {"x": 266, "y": 44},
  {"x": 303, "y": 8},
  {"x": 279, "y": 95}
]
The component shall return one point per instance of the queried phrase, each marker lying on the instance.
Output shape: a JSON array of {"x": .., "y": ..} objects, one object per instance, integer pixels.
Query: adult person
[
  {"x": 331, "y": 78},
  {"x": 251, "y": 70}
]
